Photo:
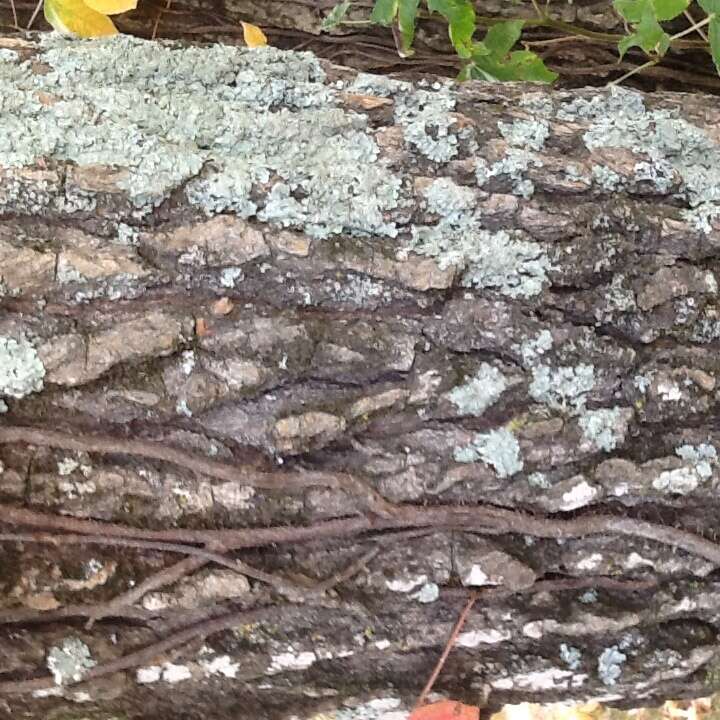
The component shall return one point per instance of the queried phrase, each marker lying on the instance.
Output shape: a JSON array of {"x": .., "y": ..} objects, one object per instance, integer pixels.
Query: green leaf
[
  {"x": 714, "y": 38},
  {"x": 631, "y": 10},
  {"x": 460, "y": 15},
  {"x": 407, "y": 15},
  {"x": 519, "y": 66},
  {"x": 669, "y": 9},
  {"x": 336, "y": 15},
  {"x": 384, "y": 11},
  {"x": 710, "y": 6},
  {"x": 648, "y": 35},
  {"x": 501, "y": 38}
]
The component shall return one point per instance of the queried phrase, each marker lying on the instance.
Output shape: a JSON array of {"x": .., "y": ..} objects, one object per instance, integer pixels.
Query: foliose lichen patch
[
  {"x": 562, "y": 388},
  {"x": 604, "y": 428},
  {"x": 21, "y": 370},
  {"x": 674, "y": 148},
  {"x": 70, "y": 661},
  {"x": 214, "y": 120},
  {"x": 498, "y": 448},
  {"x": 478, "y": 393}
]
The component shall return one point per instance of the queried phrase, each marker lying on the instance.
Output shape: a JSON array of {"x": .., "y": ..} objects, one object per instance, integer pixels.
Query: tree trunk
[{"x": 293, "y": 358}]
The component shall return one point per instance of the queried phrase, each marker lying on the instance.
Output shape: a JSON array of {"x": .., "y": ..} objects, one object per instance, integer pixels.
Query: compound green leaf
[
  {"x": 669, "y": 9},
  {"x": 407, "y": 17},
  {"x": 714, "y": 38},
  {"x": 336, "y": 15},
  {"x": 501, "y": 37},
  {"x": 384, "y": 11},
  {"x": 460, "y": 15}
]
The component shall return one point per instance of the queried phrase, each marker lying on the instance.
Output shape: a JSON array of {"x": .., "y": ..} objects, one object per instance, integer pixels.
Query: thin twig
[
  {"x": 162, "y": 578},
  {"x": 36, "y": 11},
  {"x": 481, "y": 519},
  {"x": 693, "y": 22},
  {"x": 446, "y": 651},
  {"x": 14, "y": 14},
  {"x": 190, "y": 461},
  {"x": 151, "y": 652},
  {"x": 168, "y": 3}
]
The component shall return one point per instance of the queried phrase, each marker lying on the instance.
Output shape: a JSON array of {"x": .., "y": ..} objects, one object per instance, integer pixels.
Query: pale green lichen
[
  {"x": 489, "y": 260},
  {"x": 497, "y": 448},
  {"x": 609, "y": 665},
  {"x": 70, "y": 662},
  {"x": 539, "y": 480},
  {"x": 701, "y": 456},
  {"x": 425, "y": 120},
  {"x": 533, "y": 348},
  {"x": 216, "y": 121},
  {"x": 571, "y": 656},
  {"x": 699, "y": 462},
  {"x": 514, "y": 164},
  {"x": 8, "y": 56},
  {"x": 448, "y": 199},
  {"x": 604, "y": 428},
  {"x": 479, "y": 392},
  {"x": 21, "y": 370},
  {"x": 562, "y": 388},
  {"x": 673, "y": 147},
  {"x": 530, "y": 134}
]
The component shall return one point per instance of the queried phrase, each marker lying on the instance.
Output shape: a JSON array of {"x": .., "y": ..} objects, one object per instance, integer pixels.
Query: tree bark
[{"x": 293, "y": 358}]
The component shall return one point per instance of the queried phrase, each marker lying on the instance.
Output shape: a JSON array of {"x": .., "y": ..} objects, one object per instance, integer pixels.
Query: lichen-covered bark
[{"x": 379, "y": 343}]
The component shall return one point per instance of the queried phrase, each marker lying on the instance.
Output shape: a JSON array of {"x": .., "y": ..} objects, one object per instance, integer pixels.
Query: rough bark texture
[{"x": 381, "y": 344}]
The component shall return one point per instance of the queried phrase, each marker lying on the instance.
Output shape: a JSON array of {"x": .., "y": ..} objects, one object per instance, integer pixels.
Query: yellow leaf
[
  {"x": 253, "y": 35},
  {"x": 111, "y": 7},
  {"x": 75, "y": 19}
]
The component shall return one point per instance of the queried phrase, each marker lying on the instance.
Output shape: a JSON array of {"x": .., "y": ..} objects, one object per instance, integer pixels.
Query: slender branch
[
  {"x": 446, "y": 651},
  {"x": 213, "y": 468},
  {"x": 482, "y": 519}
]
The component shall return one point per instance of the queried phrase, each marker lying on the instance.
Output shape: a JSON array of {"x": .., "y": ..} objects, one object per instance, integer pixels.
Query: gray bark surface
[{"x": 293, "y": 358}]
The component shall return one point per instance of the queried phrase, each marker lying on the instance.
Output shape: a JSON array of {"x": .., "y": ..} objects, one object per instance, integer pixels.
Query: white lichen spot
[
  {"x": 405, "y": 584},
  {"x": 533, "y": 629},
  {"x": 590, "y": 562},
  {"x": 479, "y": 392},
  {"x": 428, "y": 593},
  {"x": 473, "y": 638},
  {"x": 541, "y": 680},
  {"x": 230, "y": 275},
  {"x": 69, "y": 662},
  {"x": 382, "y": 644},
  {"x": 175, "y": 673},
  {"x": 67, "y": 465},
  {"x": 220, "y": 665},
  {"x": 149, "y": 674},
  {"x": 291, "y": 660},
  {"x": 21, "y": 371},
  {"x": 476, "y": 576},
  {"x": 580, "y": 495},
  {"x": 188, "y": 362},
  {"x": 498, "y": 448},
  {"x": 678, "y": 482},
  {"x": 669, "y": 391}
]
